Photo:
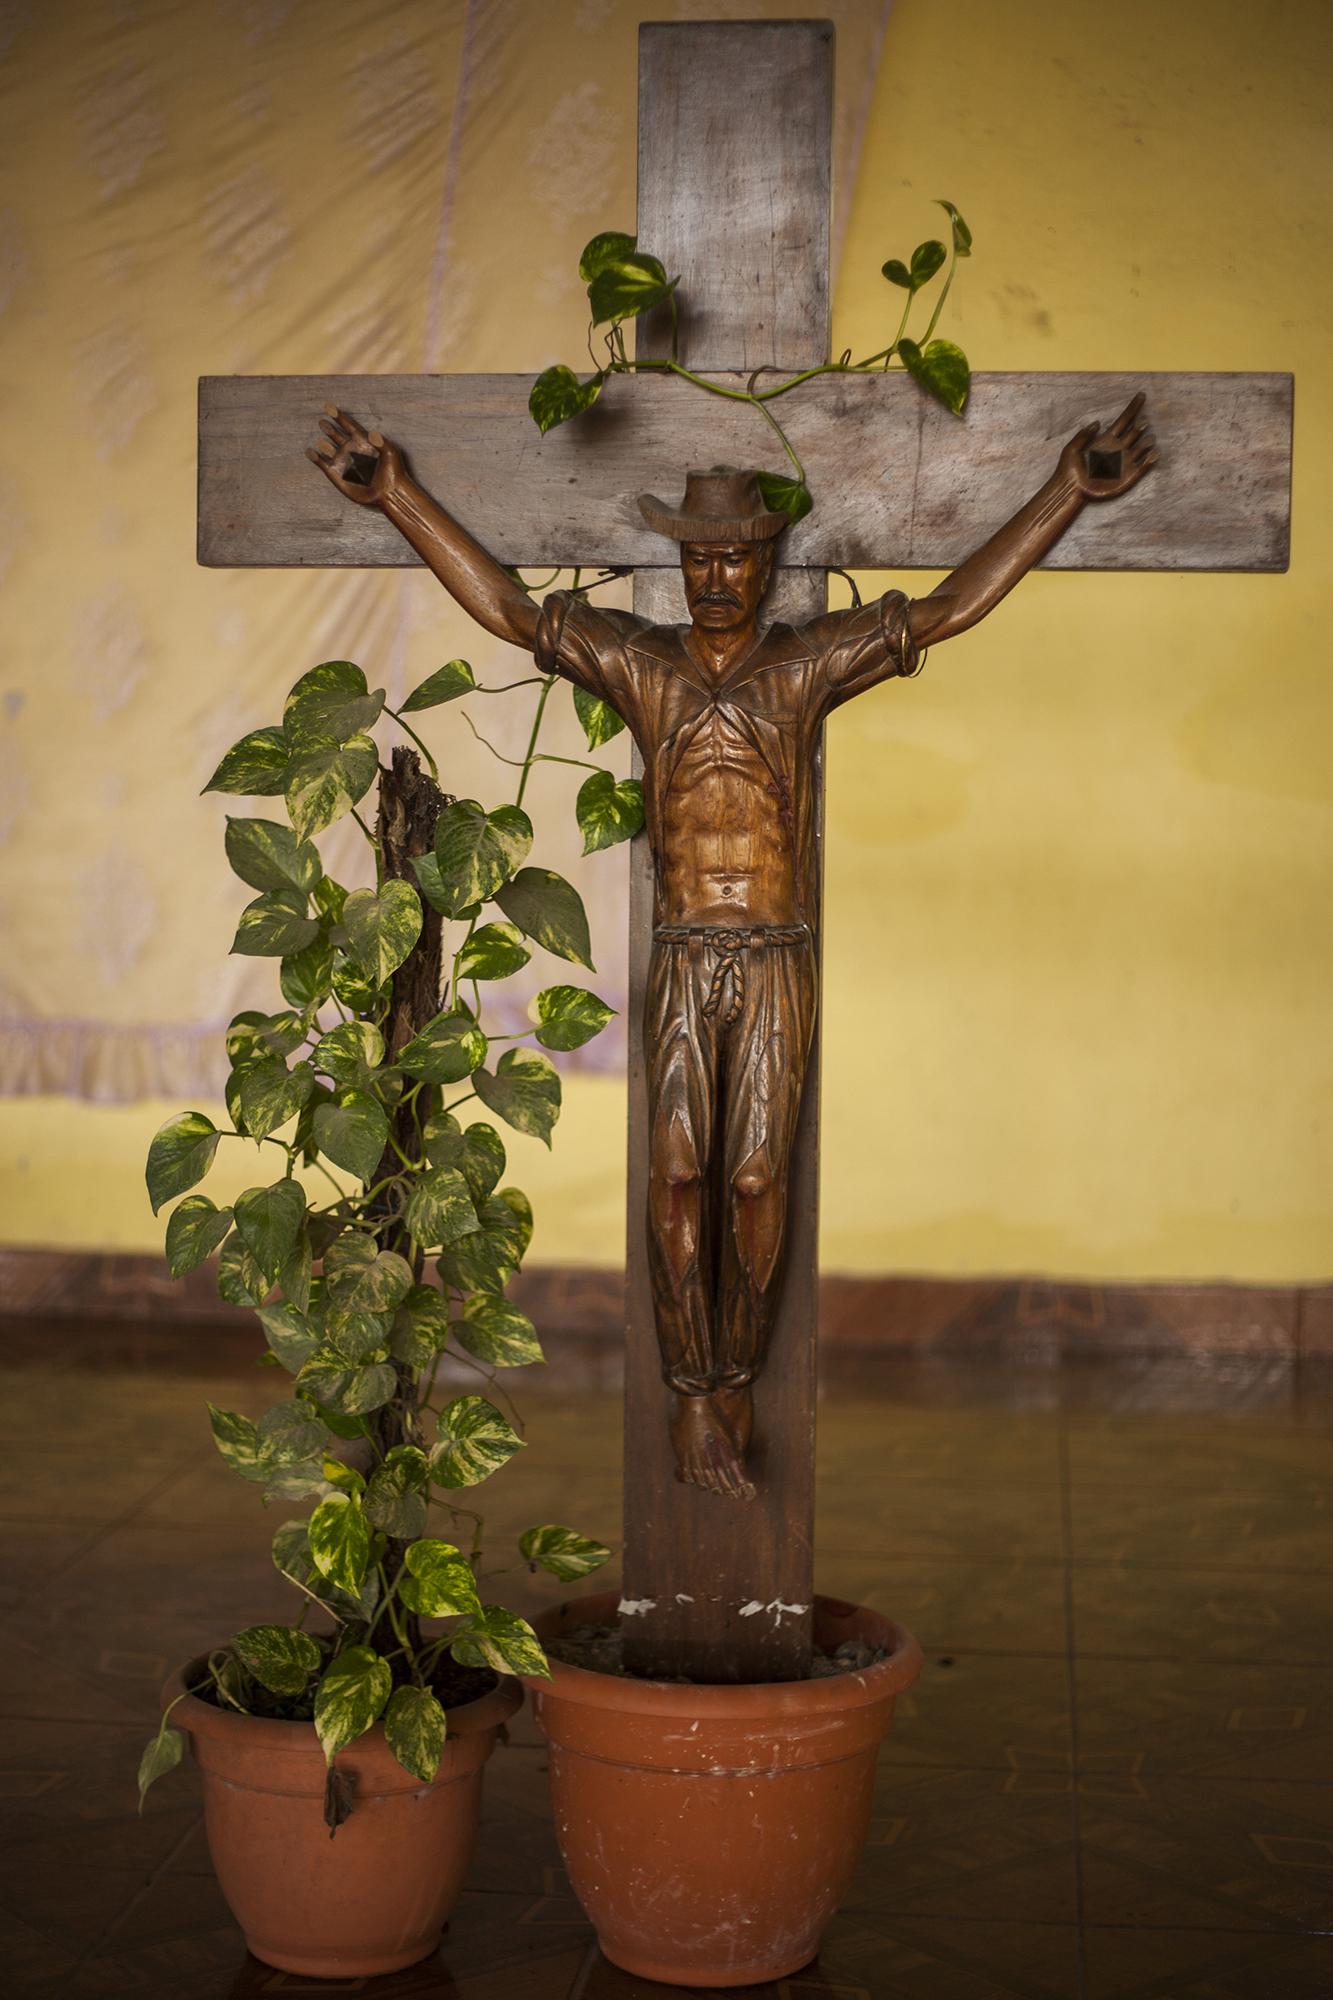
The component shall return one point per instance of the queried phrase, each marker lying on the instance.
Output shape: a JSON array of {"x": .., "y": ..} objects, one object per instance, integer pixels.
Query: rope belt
[{"x": 730, "y": 947}]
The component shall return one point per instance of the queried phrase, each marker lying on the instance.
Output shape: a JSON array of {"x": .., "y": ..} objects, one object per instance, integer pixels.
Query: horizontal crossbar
[{"x": 898, "y": 482}]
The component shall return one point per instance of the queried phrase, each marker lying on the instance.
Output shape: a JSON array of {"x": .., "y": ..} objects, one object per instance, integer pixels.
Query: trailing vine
[
  {"x": 360, "y": 1079},
  {"x": 624, "y": 281}
]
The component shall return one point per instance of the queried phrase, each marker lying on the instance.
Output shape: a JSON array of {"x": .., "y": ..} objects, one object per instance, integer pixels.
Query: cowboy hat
[{"x": 723, "y": 504}]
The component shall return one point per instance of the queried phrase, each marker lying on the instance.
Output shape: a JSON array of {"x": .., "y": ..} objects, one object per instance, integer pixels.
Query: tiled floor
[{"x": 1114, "y": 1781}]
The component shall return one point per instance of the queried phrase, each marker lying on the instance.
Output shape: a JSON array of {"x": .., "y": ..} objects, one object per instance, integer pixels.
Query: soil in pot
[
  {"x": 711, "y": 1832},
  {"x": 375, "y": 1896},
  {"x": 601, "y": 1650}
]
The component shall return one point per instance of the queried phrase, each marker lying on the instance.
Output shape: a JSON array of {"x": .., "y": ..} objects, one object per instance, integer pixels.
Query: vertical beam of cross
[{"x": 735, "y": 148}]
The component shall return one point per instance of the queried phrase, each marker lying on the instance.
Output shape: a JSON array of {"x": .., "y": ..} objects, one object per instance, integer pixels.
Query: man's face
[{"x": 725, "y": 582}]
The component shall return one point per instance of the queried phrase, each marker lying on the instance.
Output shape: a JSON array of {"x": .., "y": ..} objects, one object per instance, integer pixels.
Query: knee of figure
[
  {"x": 753, "y": 1179},
  {"x": 679, "y": 1170},
  {"x": 674, "y": 1213}
]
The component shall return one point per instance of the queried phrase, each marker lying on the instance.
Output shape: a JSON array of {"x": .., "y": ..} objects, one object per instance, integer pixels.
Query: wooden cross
[{"x": 734, "y": 185}]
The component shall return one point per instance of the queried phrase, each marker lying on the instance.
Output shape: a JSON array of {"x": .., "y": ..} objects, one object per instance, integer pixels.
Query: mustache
[{"x": 718, "y": 597}]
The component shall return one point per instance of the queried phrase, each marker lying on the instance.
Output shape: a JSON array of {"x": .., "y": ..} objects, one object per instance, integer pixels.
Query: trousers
[{"x": 728, "y": 1026}]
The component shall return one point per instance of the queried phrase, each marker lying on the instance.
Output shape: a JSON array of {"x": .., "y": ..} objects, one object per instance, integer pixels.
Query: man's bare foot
[
  {"x": 708, "y": 1453},
  {"x": 736, "y": 1408}
]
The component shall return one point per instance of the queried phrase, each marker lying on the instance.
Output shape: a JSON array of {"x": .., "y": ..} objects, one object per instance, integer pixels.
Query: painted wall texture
[{"x": 1077, "y": 949}]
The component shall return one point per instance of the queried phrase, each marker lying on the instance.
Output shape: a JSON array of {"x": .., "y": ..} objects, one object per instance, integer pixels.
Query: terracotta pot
[
  {"x": 376, "y": 1896},
  {"x": 711, "y": 1832}
]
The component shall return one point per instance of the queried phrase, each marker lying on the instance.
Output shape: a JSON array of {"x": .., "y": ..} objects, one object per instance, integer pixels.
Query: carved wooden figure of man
[{"x": 727, "y": 715}]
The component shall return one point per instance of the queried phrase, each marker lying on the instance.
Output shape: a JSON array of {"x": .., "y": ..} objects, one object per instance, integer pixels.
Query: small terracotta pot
[
  {"x": 376, "y": 1896},
  {"x": 710, "y": 1832}
]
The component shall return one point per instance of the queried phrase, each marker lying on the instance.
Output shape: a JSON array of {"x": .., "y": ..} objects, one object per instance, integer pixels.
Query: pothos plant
[
  {"x": 624, "y": 281},
  {"x": 362, "y": 1082}
]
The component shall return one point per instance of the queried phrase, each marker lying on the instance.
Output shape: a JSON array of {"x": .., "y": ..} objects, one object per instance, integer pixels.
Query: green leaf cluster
[
  {"x": 379, "y": 1235},
  {"x": 623, "y": 281},
  {"x": 319, "y": 759},
  {"x": 939, "y": 366}
]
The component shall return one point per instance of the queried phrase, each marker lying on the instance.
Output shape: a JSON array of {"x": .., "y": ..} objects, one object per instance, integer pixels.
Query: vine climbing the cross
[{"x": 624, "y": 281}]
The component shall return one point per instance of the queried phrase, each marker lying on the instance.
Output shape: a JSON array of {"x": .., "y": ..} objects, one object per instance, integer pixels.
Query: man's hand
[
  {"x": 361, "y": 464},
  {"x": 366, "y": 468},
  {"x": 1103, "y": 464},
  {"x": 1096, "y": 464}
]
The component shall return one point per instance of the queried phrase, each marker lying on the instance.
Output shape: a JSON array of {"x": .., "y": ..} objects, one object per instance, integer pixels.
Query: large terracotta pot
[
  {"x": 711, "y": 1832},
  {"x": 376, "y": 1896}
]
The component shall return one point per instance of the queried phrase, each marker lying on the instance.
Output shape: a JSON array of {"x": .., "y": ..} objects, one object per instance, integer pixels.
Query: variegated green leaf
[
  {"x": 238, "y": 1440},
  {"x": 502, "y": 1640},
  {"x": 291, "y": 1334},
  {"x": 352, "y": 1392},
  {"x": 267, "y": 855},
  {"x": 306, "y": 977},
  {"x": 446, "y": 1050},
  {"x": 477, "y": 851},
  {"x": 394, "y": 1502},
  {"x": 164, "y": 1750},
  {"x": 609, "y": 246},
  {"x": 439, "y": 1209},
  {"x": 349, "y": 1698},
  {"x": 563, "y": 1552},
  {"x": 255, "y": 767},
  {"x": 524, "y": 1090},
  {"x": 382, "y": 928},
  {"x": 497, "y": 1332},
  {"x": 455, "y": 677},
  {"x": 292, "y": 1558},
  {"x": 599, "y": 720},
  {"x": 270, "y": 1095},
  {"x": 330, "y": 704},
  {"x": 268, "y": 1222},
  {"x": 359, "y": 1274},
  {"x": 568, "y": 1016},
  {"x": 240, "y": 1280},
  {"x": 253, "y": 1037},
  {"x": 492, "y": 952},
  {"x": 356, "y": 1336},
  {"x": 478, "y": 1153},
  {"x": 549, "y": 909},
  {"x": 415, "y": 1726},
  {"x": 340, "y": 1541},
  {"x": 558, "y": 394},
  {"x": 352, "y": 1132},
  {"x": 474, "y": 1442},
  {"x": 275, "y": 925},
  {"x": 349, "y": 1052},
  {"x": 195, "y": 1228},
  {"x": 180, "y": 1155},
  {"x": 324, "y": 783},
  {"x": 420, "y": 1327},
  {"x": 608, "y": 810},
  {"x": 279, "y": 1656},
  {"x": 439, "y": 1582},
  {"x": 292, "y": 1432}
]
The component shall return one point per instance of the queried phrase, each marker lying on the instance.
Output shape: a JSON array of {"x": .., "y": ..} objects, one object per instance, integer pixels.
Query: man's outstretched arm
[
  {"x": 1096, "y": 464},
  {"x": 368, "y": 469}
]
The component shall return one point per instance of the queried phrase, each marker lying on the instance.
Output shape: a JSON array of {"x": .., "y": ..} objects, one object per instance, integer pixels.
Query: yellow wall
[{"x": 1077, "y": 950}]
